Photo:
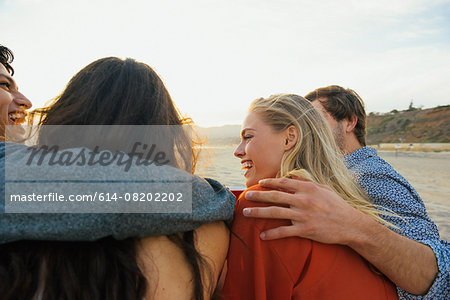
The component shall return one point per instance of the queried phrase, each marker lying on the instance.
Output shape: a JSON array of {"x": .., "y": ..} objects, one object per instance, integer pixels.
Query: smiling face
[
  {"x": 6, "y": 97},
  {"x": 13, "y": 104},
  {"x": 261, "y": 149}
]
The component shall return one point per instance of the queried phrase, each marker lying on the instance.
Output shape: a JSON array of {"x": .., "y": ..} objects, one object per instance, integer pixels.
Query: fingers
[
  {"x": 279, "y": 232},
  {"x": 299, "y": 178},
  {"x": 276, "y": 197},
  {"x": 287, "y": 184},
  {"x": 271, "y": 212},
  {"x": 297, "y": 184}
]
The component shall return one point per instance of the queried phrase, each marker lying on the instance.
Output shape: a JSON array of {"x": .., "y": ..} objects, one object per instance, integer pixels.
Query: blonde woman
[{"x": 285, "y": 136}]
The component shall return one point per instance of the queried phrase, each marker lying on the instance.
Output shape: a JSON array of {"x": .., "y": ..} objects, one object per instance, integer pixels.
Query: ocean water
[
  {"x": 218, "y": 162},
  {"x": 428, "y": 172}
]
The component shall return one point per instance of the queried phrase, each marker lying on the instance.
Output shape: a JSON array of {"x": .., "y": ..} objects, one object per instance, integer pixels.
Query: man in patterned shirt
[{"x": 413, "y": 257}]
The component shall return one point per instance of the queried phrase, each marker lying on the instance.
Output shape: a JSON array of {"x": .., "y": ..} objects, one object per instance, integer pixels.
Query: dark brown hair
[
  {"x": 112, "y": 91},
  {"x": 103, "y": 269},
  {"x": 109, "y": 91},
  {"x": 342, "y": 104},
  {"x": 6, "y": 58}
]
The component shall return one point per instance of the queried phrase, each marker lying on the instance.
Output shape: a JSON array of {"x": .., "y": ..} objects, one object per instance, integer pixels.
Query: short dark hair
[
  {"x": 342, "y": 104},
  {"x": 6, "y": 58}
]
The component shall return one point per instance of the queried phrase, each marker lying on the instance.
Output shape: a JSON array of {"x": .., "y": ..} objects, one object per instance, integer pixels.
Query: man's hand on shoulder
[{"x": 316, "y": 211}]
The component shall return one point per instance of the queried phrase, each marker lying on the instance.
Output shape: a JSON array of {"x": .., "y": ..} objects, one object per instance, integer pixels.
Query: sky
[{"x": 216, "y": 56}]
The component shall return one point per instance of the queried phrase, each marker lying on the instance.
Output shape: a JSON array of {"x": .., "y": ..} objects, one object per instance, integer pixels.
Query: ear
[
  {"x": 291, "y": 137},
  {"x": 351, "y": 123}
]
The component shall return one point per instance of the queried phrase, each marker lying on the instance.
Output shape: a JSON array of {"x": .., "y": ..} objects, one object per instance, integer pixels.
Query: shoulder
[
  {"x": 248, "y": 229},
  {"x": 212, "y": 242},
  {"x": 390, "y": 190},
  {"x": 385, "y": 186},
  {"x": 243, "y": 202},
  {"x": 165, "y": 266},
  {"x": 367, "y": 161},
  {"x": 242, "y": 223},
  {"x": 375, "y": 174},
  {"x": 211, "y": 198},
  {"x": 213, "y": 238}
]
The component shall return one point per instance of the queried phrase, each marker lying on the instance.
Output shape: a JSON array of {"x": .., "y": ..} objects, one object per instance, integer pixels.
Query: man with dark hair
[
  {"x": 342, "y": 105},
  {"x": 413, "y": 256}
]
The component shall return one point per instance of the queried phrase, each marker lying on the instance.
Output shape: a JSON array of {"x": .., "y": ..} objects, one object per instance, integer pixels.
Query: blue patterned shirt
[{"x": 389, "y": 189}]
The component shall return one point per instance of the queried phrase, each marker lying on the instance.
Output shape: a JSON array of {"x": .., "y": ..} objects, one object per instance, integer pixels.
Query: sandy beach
[{"x": 428, "y": 172}]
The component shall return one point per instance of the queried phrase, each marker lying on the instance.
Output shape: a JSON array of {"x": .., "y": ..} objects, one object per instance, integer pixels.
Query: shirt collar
[{"x": 359, "y": 155}]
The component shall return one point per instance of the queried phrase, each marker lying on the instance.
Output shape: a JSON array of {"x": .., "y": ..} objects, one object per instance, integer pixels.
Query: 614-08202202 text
[{"x": 102, "y": 197}]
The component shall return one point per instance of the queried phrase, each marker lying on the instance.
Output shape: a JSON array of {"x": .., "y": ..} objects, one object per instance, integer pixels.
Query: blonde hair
[{"x": 315, "y": 156}]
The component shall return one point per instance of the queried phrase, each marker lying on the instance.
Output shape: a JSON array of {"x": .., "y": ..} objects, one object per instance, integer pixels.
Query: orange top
[{"x": 294, "y": 268}]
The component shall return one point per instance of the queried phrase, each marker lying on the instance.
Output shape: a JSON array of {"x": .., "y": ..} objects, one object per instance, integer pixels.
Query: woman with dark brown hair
[{"x": 184, "y": 265}]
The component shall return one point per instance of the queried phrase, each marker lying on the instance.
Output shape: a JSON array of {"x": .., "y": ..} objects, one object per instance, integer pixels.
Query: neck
[{"x": 351, "y": 144}]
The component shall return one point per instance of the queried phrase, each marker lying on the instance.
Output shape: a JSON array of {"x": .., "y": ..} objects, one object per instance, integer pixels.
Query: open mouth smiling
[
  {"x": 16, "y": 118},
  {"x": 246, "y": 165}
]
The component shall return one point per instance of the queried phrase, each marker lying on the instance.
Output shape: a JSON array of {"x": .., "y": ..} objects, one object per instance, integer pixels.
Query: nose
[
  {"x": 239, "y": 152},
  {"x": 21, "y": 100}
]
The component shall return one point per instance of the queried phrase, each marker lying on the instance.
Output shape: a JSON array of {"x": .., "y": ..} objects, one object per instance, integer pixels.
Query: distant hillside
[
  {"x": 412, "y": 126},
  {"x": 223, "y": 135}
]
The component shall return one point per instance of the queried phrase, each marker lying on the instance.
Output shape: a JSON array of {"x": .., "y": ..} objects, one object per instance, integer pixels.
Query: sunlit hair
[
  {"x": 114, "y": 91},
  {"x": 315, "y": 156}
]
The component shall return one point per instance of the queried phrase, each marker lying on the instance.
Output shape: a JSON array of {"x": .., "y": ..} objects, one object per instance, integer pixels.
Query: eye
[
  {"x": 5, "y": 83},
  {"x": 246, "y": 137}
]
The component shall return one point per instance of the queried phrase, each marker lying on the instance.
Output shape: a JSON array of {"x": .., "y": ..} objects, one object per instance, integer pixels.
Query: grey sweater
[{"x": 210, "y": 202}]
